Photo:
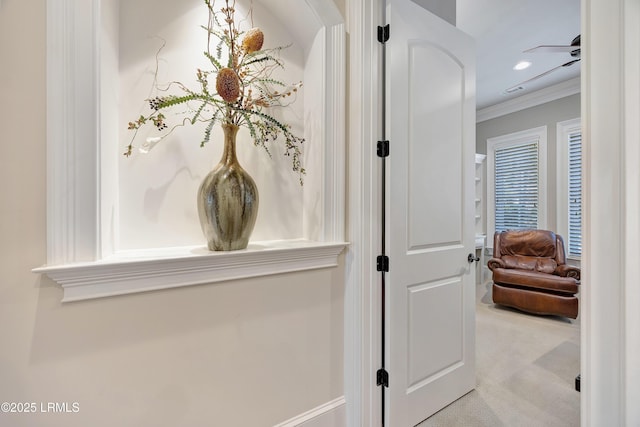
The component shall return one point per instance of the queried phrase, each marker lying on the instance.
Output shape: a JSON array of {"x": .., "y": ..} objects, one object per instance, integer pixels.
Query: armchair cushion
[
  {"x": 534, "y": 243},
  {"x": 524, "y": 262},
  {"x": 536, "y": 280}
]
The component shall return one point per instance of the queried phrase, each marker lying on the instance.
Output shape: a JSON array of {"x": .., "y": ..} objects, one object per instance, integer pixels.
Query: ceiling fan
[{"x": 573, "y": 49}]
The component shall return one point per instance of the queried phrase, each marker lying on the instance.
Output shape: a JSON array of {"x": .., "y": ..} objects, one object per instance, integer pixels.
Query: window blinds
[
  {"x": 516, "y": 187},
  {"x": 575, "y": 194}
]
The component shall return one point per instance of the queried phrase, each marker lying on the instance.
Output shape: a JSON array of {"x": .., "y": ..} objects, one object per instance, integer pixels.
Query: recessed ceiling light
[{"x": 522, "y": 65}]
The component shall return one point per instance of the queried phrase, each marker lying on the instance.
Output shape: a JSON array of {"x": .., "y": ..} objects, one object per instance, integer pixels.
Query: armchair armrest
[
  {"x": 494, "y": 263},
  {"x": 565, "y": 270}
]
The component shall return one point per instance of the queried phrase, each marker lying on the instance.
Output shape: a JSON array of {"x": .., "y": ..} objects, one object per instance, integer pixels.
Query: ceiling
[{"x": 503, "y": 29}]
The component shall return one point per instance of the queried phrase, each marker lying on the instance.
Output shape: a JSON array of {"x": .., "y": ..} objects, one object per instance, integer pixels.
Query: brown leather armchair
[{"x": 530, "y": 273}]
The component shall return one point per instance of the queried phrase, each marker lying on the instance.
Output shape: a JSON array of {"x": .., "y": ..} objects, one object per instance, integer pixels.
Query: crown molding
[{"x": 542, "y": 96}]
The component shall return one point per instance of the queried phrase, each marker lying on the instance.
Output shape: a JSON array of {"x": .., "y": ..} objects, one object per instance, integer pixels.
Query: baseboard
[{"x": 330, "y": 414}]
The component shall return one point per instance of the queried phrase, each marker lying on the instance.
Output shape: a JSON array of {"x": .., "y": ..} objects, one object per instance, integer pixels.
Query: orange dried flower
[
  {"x": 227, "y": 84},
  {"x": 253, "y": 40}
]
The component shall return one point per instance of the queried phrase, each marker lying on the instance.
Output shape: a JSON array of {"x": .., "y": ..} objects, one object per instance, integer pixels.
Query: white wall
[
  {"x": 253, "y": 352},
  {"x": 444, "y": 9}
]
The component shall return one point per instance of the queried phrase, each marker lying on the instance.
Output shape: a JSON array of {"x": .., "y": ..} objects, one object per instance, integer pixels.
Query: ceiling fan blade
[
  {"x": 539, "y": 76},
  {"x": 552, "y": 49},
  {"x": 573, "y": 48}
]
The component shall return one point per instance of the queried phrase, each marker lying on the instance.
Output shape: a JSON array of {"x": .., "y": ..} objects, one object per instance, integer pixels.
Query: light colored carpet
[{"x": 525, "y": 365}]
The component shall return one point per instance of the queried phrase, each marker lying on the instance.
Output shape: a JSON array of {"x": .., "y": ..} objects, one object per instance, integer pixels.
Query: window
[
  {"x": 570, "y": 186},
  {"x": 575, "y": 194},
  {"x": 516, "y": 187},
  {"x": 516, "y": 179}
]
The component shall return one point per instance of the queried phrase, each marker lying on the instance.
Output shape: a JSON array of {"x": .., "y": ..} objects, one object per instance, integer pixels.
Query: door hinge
[
  {"x": 382, "y": 263},
  {"x": 383, "y": 33},
  {"x": 382, "y": 378},
  {"x": 383, "y": 148}
]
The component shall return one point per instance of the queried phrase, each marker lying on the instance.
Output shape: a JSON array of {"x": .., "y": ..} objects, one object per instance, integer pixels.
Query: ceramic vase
[{"x": 228, "y": 200}]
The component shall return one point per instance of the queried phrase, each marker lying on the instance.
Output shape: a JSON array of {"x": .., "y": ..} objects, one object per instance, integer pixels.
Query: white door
[{"x": 430, "y": 284}]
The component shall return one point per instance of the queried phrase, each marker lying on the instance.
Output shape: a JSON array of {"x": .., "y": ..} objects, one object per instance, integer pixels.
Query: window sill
[{"x": 129, "y": 272}]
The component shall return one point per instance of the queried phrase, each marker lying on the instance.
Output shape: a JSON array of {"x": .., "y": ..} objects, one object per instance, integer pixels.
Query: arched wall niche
[{"x": 120, "y": 225}]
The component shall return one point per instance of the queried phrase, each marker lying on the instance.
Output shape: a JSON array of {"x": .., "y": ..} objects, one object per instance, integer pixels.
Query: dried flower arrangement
[{"x": 245, "y": 89}]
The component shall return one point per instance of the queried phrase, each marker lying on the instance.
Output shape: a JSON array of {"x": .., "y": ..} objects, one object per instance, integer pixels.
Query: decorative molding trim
[
  {"x": 542, "y": 96},
  {"x": 334, "y": 156},
  {"x": 77, "y": 191},
  {"x": 141, "y": 271},
  {"x": 330, "y": 414},
  {"x": 362, "y": 299},
  {"x": 72, "y": 120}
]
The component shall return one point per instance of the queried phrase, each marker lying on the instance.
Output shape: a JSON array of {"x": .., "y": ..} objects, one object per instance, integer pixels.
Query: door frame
[
  {"x": 362, "y": 296},
  {"x": 610, "y": 104},
  {"x": 611, "y": 219}
]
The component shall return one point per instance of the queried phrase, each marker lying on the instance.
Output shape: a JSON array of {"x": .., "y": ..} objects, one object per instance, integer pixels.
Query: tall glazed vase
[{"x": 228, "y": 200}]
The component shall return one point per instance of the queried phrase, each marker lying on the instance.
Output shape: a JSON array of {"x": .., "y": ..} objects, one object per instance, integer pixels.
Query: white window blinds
[
  {"x": 516, "y": 187},
  {"x": 575, "y": 194}
]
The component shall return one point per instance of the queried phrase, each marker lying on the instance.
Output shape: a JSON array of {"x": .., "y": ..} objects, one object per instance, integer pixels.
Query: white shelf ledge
[{"x": 146, "y": 270}]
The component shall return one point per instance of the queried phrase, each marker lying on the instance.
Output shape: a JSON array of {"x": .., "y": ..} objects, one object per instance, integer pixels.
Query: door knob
[{"x": 472, "y": 258}]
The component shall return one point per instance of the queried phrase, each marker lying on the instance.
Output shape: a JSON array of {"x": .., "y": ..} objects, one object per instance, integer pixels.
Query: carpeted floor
[{"x": 525, "y": 369}]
